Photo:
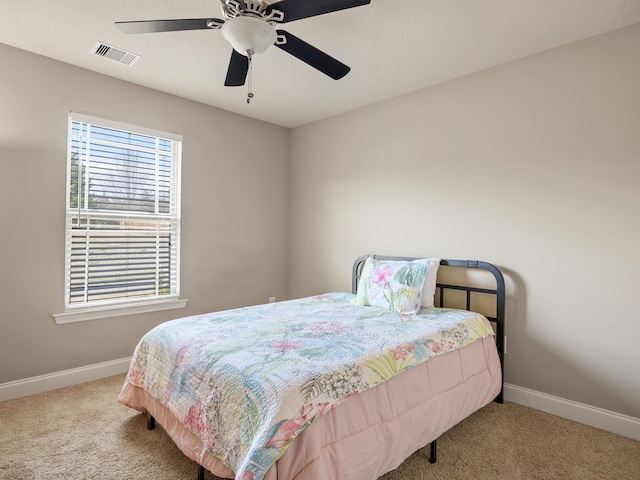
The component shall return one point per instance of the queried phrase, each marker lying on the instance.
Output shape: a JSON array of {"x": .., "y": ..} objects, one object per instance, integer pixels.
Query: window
[{"x": 123, "y": 220}]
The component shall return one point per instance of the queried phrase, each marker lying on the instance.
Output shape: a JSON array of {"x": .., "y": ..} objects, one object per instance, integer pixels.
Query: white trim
[
  {"x": 118, "y": 125},
  {"x": 66, "y": 378},
  {"x": 95, "y": 313},
  {"x": 579, "y": 412}
]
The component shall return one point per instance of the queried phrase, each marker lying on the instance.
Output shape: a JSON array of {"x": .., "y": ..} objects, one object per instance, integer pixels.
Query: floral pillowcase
[{"x": 394, "y": 285}]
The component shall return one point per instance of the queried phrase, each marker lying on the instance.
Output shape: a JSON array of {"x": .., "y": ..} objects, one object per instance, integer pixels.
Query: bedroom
[{"x": 532, "y": 165}]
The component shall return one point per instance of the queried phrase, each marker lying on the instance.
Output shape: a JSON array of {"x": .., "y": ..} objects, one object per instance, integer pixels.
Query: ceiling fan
[{"x": 249, "y": 26}]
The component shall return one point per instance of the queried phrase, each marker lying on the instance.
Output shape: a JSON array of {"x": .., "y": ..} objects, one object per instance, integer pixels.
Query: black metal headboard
[{"x": 498, "y": 292}]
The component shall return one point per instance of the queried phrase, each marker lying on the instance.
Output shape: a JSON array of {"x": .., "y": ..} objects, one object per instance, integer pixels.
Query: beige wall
[
  {"x": 533, "y": 166},
  {"x": 234, "y": 207}
]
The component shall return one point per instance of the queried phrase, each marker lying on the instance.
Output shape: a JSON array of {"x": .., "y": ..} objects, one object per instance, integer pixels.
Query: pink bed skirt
[{"x": 372, "y": 433}]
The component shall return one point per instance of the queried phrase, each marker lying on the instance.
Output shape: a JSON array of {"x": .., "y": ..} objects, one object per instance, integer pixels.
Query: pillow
[
  {"x": 429, "y": 290},
  {"x": 394, "y": 285}
]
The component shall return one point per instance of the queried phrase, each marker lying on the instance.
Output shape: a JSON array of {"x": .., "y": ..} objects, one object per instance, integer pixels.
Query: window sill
[{"x": 81, "y": 315}]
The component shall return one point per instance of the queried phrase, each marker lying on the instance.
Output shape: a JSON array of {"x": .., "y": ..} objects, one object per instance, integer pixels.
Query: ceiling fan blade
[
  {"x": 153, "y": 26},
  {"x": 297, "y": 9},
  {"x": 312, "y": 56},
  {"x": 237, "y": 72}
]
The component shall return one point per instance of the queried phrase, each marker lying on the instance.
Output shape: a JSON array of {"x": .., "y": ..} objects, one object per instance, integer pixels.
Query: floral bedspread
[{"x": 248, "y": 381}]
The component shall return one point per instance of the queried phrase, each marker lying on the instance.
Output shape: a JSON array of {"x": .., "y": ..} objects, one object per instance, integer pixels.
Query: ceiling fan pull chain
[{"x": 250, "y": 93}]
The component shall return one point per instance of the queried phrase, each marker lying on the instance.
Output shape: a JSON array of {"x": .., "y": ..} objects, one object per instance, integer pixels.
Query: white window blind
[{"x": 123, "y": 214}]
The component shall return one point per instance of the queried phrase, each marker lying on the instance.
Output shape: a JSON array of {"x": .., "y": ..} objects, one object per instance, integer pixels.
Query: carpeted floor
[{"x": 82, "y": 432}]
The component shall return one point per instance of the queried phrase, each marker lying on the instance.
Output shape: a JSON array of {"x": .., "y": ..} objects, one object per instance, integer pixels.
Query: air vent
[{"x": 115, "y": 54}]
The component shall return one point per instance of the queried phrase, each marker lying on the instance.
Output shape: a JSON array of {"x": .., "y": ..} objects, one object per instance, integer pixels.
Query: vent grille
[{"x": 116, "y": 54}]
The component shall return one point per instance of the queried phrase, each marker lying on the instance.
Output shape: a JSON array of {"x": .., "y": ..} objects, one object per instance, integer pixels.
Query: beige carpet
[{"x": 81, "y": 432}]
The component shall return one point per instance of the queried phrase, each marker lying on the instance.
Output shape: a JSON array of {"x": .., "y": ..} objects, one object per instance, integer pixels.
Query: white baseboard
[
  {"x": 66, "y": 378},
  {"x": 578, "y": 412}
]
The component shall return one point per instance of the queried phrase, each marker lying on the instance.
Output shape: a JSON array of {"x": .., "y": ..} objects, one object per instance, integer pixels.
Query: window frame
[{"x": 96, "y": 309}]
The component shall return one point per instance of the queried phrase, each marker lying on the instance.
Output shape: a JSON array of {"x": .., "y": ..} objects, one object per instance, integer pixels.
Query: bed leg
[
  {"x": 151, "y": 422},
  {"x": 200, "y": 472},
  {"x": 432, "y": 451}
]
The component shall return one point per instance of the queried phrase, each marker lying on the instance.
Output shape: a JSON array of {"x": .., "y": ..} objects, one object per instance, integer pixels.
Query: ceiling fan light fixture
[{"x": 248, "y": 35}]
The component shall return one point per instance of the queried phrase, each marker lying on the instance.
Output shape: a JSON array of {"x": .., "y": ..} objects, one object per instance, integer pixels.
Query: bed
[{"x": 315, "y": 388}]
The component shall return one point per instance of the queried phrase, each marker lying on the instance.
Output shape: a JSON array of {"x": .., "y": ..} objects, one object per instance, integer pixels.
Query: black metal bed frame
[{"x": 498, "y": 319}]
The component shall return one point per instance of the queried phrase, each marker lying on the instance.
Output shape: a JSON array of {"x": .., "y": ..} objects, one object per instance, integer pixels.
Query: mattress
[{"x": 397, "y": 416}]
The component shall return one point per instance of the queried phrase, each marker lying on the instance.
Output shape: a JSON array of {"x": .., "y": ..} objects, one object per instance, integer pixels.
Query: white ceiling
[{"x": 392, "y": 46}]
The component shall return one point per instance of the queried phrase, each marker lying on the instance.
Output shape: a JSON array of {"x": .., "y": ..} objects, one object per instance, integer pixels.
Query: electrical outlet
[{"x": 272, "y": 299}]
